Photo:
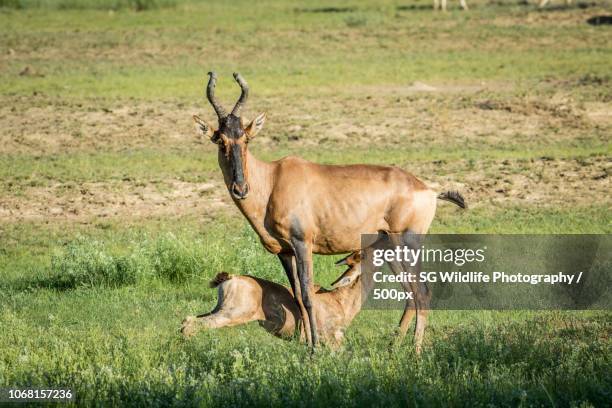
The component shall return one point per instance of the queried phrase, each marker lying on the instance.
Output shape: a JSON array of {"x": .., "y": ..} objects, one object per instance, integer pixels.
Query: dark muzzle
[{"x": 240, "y": 191}]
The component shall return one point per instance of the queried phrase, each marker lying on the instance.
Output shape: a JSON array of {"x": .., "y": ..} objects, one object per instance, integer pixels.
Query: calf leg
[
  {"x": 219, "y": 317},
  {"x": 192, "y": 324}
]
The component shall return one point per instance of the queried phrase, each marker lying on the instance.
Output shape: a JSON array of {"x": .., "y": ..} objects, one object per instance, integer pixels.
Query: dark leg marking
[{"x": 303, "y": 256}]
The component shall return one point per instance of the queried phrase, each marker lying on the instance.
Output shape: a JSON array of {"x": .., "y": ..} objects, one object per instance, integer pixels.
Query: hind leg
[
  {"x": 407, "y": 316},
  {"x": 423, "y": 294},
  {"x": 414, "y": 220},
  {"x": 411, "y": 306}
]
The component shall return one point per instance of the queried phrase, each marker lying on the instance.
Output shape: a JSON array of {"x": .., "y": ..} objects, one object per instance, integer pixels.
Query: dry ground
[
  {"x": 427, "y": 117},
  {"x": 490, "y": 102}
]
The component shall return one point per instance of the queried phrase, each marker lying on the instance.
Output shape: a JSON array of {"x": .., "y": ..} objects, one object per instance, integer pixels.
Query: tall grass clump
[
  {"x": 174, "y": 259},
  {"x": 89, "y": 263},
  {"x": 138, "y": 5},
  {"x": 86, "y": 262}
]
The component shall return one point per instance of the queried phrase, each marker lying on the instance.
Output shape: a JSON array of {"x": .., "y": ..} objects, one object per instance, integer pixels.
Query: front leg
[
  {"x": 288, "y": 262},
  {"x": 224, "y": 317},
  {"x": 193, "y": 324},
  {"x": 303, "y": 256}
]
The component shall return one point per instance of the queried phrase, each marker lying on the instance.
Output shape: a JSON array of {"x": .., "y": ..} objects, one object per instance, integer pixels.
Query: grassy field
[{"x": 114, "y": 216}]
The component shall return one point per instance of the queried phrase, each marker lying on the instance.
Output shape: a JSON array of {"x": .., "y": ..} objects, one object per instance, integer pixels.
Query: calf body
[{"x": 244, "y": 298}]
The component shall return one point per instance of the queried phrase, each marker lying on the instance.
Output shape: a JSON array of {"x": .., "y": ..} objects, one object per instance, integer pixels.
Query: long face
[
  {"x": 231, "y": 137},
  {"x": 232, "y": 141}
]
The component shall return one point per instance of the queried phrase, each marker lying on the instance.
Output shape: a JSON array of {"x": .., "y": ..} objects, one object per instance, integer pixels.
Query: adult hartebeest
[
  {"x": 543, "y": 3},
  {"x": 243, "y": 298},
  {"x": 441, "y": 5},
  {"x": 299, "y": 208}
]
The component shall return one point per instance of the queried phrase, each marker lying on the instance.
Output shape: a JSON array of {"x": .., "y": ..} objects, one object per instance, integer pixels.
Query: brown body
[
  {"x": 244, "y": 298},
  {"x": 299, "y": 208},
  {"x": 331, "y": 206}
]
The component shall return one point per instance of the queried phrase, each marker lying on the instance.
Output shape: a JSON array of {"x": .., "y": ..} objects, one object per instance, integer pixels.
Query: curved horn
[
  {"x": 210, "y": 94},
  {"x": 243, "y": 96}
]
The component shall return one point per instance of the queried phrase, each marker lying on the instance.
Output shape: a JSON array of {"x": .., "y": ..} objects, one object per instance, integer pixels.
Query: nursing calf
[{"x": 244, "y": 298}]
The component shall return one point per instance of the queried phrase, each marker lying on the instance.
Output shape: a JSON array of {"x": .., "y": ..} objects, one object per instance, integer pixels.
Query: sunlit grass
[{"x": 95, "y": 303}]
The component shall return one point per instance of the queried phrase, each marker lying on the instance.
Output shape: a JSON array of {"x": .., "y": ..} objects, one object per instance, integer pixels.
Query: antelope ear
[
  {"x": 255, "y": 126},
  {"x": 350, "y": 259},
  {"x": 343, "y": 261},
  {"x": 346, "y": 279},
  {"x": 202, "y": 127},
  {"x": 343, "y": 281}
]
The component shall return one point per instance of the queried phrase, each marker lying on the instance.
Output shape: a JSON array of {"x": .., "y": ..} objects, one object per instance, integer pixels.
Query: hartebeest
[
  {"x": 243, "y": 298},
  {"x": 299, "y": 208},
  {"x": 543, "y": 3},
  {"x": 441, "y": 4}
]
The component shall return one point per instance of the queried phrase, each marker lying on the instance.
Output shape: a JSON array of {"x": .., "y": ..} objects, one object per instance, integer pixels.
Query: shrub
[
  {"x": 89, "y": 263},
  {"x": 173, "y": 259}
]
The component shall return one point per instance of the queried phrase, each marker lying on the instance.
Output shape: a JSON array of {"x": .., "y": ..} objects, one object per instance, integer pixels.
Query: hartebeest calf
[
  {"x": 243, "y": 298},
  {"x": 299, "y": 208}
]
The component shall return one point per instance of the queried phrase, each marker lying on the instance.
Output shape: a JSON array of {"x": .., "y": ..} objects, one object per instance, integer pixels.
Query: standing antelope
[
  {"x": 244, "y": 298},
  {"x": 441, "y": 4},
  {"x": 299, "y": 208},
  {"x": 543, "y": 3}
]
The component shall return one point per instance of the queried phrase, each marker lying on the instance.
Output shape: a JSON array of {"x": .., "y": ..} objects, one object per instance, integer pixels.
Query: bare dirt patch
[
  {"x": 419, "y": 116},
  {"x": 422, "y": 115},
  {"x": 541, "y": 182},
  {"x": 44, "y": 125},
  {"x": 87, "y": 201}
]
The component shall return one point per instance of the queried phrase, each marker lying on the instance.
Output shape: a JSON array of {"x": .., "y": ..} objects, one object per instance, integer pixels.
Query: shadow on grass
[
  {"x": 414, "y": 7},
  {"x": 600, "y": 20},
  {"x": 326, "y": 10}
]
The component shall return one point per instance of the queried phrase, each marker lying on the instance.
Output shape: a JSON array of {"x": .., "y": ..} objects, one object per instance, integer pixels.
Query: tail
[
  {"x": 219, "y": 279},
  {"x": 454, "y": 197}
]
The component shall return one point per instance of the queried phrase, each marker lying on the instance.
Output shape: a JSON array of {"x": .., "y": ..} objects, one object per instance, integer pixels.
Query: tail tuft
[
  {"x": 219, "y": 279},
  {"x": 454, "y": 197}
]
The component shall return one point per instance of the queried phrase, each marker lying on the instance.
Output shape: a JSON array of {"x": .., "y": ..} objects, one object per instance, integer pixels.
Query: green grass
[
  {"x": 147, "y": 165},
  {"x": 95, "y": 303},
  {"x": 82, "y": 321},
  {"x": 137, "y": 5},
  {"x": 387, "y": 47}
]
